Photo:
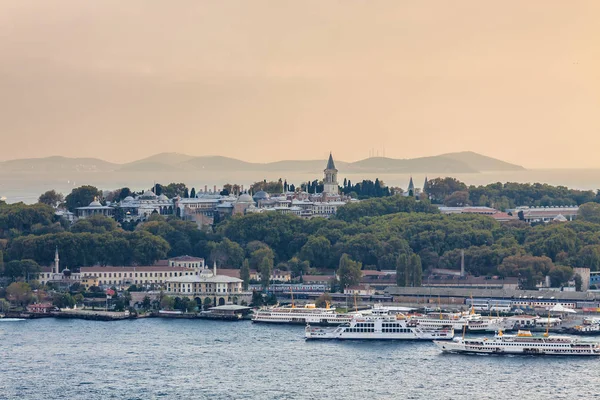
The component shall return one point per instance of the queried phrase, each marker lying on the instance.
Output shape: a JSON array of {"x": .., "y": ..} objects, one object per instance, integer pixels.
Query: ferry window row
[
  {"x": 395, "y": 330},
  {"x": 360, "y": 330}
]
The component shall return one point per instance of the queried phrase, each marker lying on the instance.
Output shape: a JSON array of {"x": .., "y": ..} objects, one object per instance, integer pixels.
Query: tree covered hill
[{"x": 374, "y": 234}]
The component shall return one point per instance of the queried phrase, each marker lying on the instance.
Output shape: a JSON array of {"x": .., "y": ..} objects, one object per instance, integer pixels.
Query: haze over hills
[
  {"x": 463, "y": 162},
  {"x": 57, "y": 164}
]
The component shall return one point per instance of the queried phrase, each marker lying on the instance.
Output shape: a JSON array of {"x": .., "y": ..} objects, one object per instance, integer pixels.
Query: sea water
[{"x": 200, "y": 359}]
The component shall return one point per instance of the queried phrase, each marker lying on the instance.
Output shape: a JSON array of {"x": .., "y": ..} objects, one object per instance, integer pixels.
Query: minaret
[
  {"x": 330, "y": 184},
  {"x": 56, "y": 262},
  {"x": 215, "y": 268}
]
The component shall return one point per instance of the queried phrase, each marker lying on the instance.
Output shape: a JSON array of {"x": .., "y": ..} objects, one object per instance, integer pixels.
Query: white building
[
  {"x": 220, "y": 289},
  {"x": 186, "y": 262}
]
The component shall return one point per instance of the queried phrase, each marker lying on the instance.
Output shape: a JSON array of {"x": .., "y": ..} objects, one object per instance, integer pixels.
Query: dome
[
  {"x": 95, "y": 203},
  {"x": 163, "y": 197},
  {"x": 128, "y": 199},
  {"x": 245, "y": 198},
  {"x": 66, "y": 272},
  {"x": 148, "y": 195},
  {"x": 261, "y": 195}
]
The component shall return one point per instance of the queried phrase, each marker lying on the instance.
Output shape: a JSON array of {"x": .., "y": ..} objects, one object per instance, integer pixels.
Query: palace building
[{"x": 219, "y": 289}]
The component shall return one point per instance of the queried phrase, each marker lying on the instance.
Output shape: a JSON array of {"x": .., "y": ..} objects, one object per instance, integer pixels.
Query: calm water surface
[{"x": 186, "y": 359}]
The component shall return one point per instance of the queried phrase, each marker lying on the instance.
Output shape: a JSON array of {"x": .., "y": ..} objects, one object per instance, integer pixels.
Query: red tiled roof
[{"x": 231, "y": 272}]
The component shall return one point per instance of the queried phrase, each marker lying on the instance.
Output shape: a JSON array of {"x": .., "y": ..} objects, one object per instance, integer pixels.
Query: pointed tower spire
[
  {"x": 215, "y": 268},
  {"x": 330, "y": 163}
]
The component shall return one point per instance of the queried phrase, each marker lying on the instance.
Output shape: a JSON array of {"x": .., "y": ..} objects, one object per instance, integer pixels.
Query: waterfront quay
[{"x": 520, "y": 298}]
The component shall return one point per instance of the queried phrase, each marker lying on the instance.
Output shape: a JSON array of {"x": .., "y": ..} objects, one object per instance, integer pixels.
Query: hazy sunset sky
[{"x": 270, "y": 80}]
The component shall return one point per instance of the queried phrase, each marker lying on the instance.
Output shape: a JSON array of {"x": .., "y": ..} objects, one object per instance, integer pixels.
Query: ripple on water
[{"x": 150, "y": 358}]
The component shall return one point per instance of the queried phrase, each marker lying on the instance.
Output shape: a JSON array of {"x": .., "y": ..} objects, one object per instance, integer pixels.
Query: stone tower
[
  {"x": 56, "y": 262},
  {"x": 330, "y": 184},
  {"x": 411, "y": 187}
]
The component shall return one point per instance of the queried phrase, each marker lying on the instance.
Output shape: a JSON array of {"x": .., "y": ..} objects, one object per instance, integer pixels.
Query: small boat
[
  {"x": 521, "y": 343},
  {"x": 585, "y": 329},
  {"x": 11, "y": 319},
  {"x": 379, "y": 327}
]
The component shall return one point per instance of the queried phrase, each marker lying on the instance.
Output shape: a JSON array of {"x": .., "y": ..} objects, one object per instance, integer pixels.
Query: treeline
[
  {"x": 373, "y": 234},
  {"x": 452, "y": 192},
  {"x": 366, "y": 189}
]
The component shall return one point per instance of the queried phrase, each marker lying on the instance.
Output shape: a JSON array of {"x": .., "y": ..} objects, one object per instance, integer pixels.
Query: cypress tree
[
  {"x": 401, "y": 269},
  {"x": 416, "y": 270}
]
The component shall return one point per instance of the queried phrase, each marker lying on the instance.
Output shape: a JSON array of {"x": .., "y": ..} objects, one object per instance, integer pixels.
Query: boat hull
[
  {"x": 312, "y": 333},
  {"x": 460, "y": 347}
]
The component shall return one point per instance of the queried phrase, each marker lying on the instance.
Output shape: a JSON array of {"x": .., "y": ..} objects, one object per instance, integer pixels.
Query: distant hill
[
  {"x": 434, "y": 164},
  {"x": 57, "y": 164},
  {"x": 482, "y": 163},
  {"x": 218, "y": 163},
  {"x": 157, "y": 162},
  {"x": 463, "y": 162}
]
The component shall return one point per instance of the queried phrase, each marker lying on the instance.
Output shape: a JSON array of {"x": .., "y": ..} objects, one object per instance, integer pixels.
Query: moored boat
[
  {"x": 585, "y": 329},
  {"x": 379, "y": 327},
  {"x": 309, "y": 314},
  {"x": 521, "y": 343}
]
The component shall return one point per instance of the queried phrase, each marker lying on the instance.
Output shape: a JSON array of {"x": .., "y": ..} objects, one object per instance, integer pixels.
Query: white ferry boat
[
  {"x": 521, "y": 343},
  {"x": 379, "y": 327},
  {"x": 473, "y": 322},
  {"x": 309, "y": 314}
]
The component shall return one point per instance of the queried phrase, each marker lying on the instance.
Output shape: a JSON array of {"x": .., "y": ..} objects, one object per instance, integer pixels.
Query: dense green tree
[
  {"x": 378, "y": 207},
  {"x": 323, "y": 300},
  {"x": 349, "y": 272},
  {"x": 95, "y": 224},
  {"x": 245, "y": 273},
  {"x": 440, "y": 188},
  {"x": 63, "y": 300},
  {"x": 402, "y": 265},
  {"x": 530, "y": 270},
  {"x": 298, "y": 267},
  {"x": 227, "y": 253},
  {"x": 146, "y": 303},
  {"x": 51, "y": 198},
  {"x": 17, "y": 219},
  {"x": 81, "y": 197},
  {"x": 207, "y": 303},
  {"x": 457, "y": 199},
  {"x": 257, "y": 299},
  {"x": 19, "y": 293},
  {"x": 316, "y": 251},
  {"x": 589, "y": 212},
  {"x": 174, "y": 189},
  {"x": 416, "y": 270},
  {"x": 560, "y": 275},
  {"x": 167, "y": 303},
  {"x": 266, "y": 269}
]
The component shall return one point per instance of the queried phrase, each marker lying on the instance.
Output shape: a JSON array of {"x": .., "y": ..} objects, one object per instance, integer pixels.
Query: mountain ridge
[{"x": 459, "y": 162}]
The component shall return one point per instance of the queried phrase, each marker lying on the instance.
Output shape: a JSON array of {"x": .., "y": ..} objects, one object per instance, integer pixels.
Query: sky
[{"x": 271, "y": 80}]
